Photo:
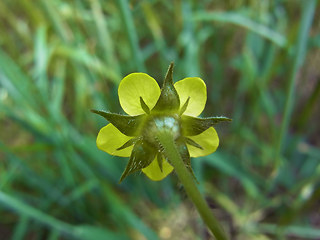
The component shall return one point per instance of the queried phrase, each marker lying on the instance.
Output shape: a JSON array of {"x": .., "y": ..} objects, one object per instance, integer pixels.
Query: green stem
[{"x": 170, "y": 150}]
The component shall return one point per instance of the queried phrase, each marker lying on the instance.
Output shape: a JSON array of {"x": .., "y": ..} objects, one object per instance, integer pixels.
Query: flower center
[{"x": 156, "y": 123}]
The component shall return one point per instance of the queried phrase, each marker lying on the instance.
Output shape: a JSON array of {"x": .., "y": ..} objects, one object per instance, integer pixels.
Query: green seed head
[{"x": 156, "y": 123}]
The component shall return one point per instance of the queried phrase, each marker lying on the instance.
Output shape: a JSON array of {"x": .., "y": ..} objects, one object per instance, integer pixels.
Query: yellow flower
[{"x": 174, "y": 107}]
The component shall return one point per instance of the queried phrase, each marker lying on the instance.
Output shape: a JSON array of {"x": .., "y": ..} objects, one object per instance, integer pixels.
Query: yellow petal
[
  {"x": 208, "y": 140},
  {"x": 134, "y": 86},
  {"x": 110, "y": 138},
  {"x": 196, "y": 89},
  {"x": 153, "y": 170}
]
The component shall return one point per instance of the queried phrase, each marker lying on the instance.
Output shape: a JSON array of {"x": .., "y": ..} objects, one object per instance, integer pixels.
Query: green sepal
[
  {"x": 192, "y": 126},
  {"x": 129, "y": 143},
  {"x": 160, "y": 160},
  {"x": 184, "y": 153},
  {"x": 144, "y": 106},
  {"x": 184, "y": 107},
  {"x": 169, "y": 98},
  {"x": 142, "y": 155},
  {"x": 128, "y": 125},
  {"x": 192, "y": 143}
]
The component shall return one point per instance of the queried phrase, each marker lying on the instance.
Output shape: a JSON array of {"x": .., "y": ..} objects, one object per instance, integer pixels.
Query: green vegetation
[{"x": 59, "y": 59}]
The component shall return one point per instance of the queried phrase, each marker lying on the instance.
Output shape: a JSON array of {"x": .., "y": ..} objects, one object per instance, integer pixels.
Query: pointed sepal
[
  {"x": 184, "y": 107},
  {"x": 169, "y": 98},
  {"x": 142, "y": 155},
  {"x": 160, "y": 161},
  {"x": 144, "y": 106},
  {"x": 128, "y": 125},
  {"x": 191, "y": 142},
  {"x": 192, "y": 126},
  {"x": 129, "y": 143},
  {"x": 184, "y": 153}
]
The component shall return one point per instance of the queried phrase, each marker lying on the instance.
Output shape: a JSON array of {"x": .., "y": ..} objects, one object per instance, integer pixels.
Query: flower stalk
[{"x": 166, "y": 139}]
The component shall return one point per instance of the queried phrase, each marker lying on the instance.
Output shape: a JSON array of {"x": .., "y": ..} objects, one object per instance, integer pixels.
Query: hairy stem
[{"x": 170, "y": 150}]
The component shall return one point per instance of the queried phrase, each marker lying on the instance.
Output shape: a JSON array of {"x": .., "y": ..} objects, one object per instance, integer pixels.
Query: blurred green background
[{"x": 59, "y": 59}]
